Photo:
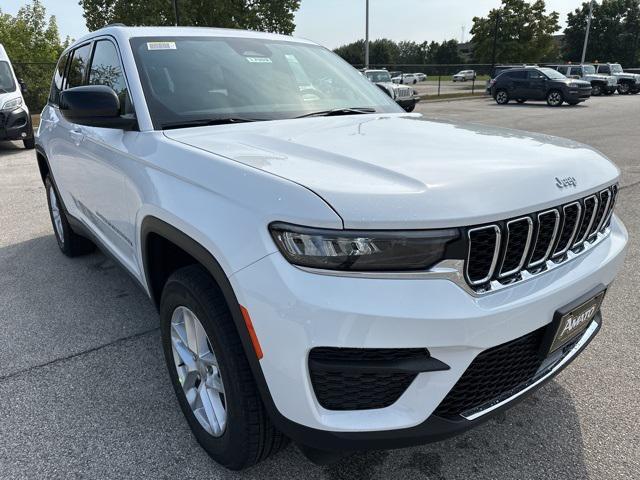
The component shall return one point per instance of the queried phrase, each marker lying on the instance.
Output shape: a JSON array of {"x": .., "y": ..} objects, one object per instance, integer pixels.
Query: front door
[{"x": 536, "y": 85}]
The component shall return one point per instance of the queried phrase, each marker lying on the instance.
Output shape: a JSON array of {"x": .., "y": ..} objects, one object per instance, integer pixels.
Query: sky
[{"x": 335, "y": 22}]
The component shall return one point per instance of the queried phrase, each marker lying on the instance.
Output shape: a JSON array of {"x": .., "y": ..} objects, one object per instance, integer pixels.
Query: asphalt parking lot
[{"x": 84, "y": 392}]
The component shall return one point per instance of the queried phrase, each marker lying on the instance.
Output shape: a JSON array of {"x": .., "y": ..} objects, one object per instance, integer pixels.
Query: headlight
[
  {"x": 574, "y": 85},
  {"x": 366, "y": 250},
  {"x": 11, "y": 104}
]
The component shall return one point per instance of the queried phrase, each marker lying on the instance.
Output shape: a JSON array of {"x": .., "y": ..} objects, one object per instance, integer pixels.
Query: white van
[{"x": 15, "y": 121}]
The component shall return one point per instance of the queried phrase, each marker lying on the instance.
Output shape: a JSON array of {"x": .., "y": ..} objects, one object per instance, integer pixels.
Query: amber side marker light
[{"x": 252, "y": 333}]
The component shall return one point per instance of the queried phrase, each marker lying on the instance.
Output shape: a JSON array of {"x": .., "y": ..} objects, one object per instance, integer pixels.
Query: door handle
[{"x": 76, "y": 135}]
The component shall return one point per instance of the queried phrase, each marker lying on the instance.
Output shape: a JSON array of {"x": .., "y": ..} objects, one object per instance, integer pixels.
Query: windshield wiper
[
  {"x": 2, "y": 90},
  {"x": 334, "y": 112},
  {"x": 206, "y": 121}
]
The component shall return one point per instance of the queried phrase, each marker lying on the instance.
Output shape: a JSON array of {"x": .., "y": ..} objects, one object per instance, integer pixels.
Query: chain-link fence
[
  {"x": 37, "y": 76},
  {"x": 442, "y": 80}
]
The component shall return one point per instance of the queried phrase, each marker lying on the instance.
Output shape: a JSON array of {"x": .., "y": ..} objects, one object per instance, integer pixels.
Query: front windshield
[
  {"x": 589, "y": 69},
  {"x": 197, "y": 78},
  {"x": 616, "y": 68},
  {"x": 7, "y": 84},
  {"x": 378, "y": 76},
  {"x": 552, "y": 74}
]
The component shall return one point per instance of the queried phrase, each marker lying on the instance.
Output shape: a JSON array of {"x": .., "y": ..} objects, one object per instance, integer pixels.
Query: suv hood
[{"x": 400, "y": 171}]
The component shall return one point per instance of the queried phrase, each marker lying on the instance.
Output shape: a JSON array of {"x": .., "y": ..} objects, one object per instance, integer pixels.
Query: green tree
[
  {"x": 447, "y": 53},
  {"x": 383, "y": 52},
  {"x": 33, "y": 45},
  {"x": 525, "y": 33},
  {"x": 410, "y": 53},
  {"x": 614, "y": 35},
  {"x": 352, "y": 52},
  {"x": 266, "y": 15}
]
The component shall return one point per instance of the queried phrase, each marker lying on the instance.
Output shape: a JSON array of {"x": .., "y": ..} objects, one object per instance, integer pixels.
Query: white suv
[{"x": 327, "y": 267}]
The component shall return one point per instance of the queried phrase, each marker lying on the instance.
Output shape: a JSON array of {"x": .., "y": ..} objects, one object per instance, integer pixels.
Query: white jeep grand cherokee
[{"x": 327, "y": 267}]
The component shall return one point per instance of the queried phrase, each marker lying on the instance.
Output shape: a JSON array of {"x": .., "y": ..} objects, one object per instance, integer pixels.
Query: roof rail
[{"x": 117, "y": 24}]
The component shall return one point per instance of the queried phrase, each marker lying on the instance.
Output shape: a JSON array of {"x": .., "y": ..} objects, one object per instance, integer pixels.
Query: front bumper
[
  {"x": 294, "y": 311},
  {"x": 408, "y": 102},
  {"x": 577, "y": 94},
  {"x": 15, "y": 124}
]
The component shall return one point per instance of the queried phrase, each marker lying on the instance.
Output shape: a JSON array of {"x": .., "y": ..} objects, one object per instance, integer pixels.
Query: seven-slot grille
[{"x": 501, "y": 251}]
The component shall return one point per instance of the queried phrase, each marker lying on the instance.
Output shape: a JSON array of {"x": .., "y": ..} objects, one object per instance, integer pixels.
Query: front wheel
[
  {"x": 210, "y": 373},
  {"x": 623, "y": 88},
  {"x": 502, "y": 97},
  {"x": 410, "y": 108},
  {"x": 554, "y": 98},
  {"x": 70, "y": 243},
  {"x": 521, "y": 100},
  {"x": 596, "y": 90}
]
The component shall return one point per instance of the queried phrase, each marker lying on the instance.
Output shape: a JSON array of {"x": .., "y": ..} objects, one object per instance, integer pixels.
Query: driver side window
[{"x": 535, "y": 75}]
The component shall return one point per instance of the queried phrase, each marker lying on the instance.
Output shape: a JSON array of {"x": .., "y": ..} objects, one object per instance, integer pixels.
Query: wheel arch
[
  {"x": 153, "y": 228},
  {"x": 43, "y": 163}
]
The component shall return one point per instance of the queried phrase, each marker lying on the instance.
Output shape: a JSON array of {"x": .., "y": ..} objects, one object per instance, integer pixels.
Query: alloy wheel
[
  {"x": 56, "y": 215},
  {"x": 555, "y": 99},
  {"x": 623, "y": 88},
  {"x": 198, "y": 371},
  {"x": 501, "y": 97}
]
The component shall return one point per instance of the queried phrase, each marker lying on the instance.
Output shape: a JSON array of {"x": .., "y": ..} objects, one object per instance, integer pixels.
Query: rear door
[{"x": 518, "y": 80}]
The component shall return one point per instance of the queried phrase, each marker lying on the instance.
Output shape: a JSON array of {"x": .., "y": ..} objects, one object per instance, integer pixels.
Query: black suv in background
[{"x": 536, "y": 83}]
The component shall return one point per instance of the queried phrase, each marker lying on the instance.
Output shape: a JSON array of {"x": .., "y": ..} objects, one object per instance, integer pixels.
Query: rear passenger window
[
  {"x": 106, "y": 69},
  {"x": 58, "y": 77},
  {"x": 563, "y": 70},
  {"x": 520, "y": 75},
  {"x": 78, "y": 66},
  {"x": 604, "y": 69}
]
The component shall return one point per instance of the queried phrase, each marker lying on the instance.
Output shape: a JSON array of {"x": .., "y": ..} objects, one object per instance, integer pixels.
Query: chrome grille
[
  {"x": 518, "y": 239},
  {"x": 570, "y": 224},
  {"x": 529, "y": 243},
  {"x": 484, "y": 245},
  {"x": 548, "y": 223}
]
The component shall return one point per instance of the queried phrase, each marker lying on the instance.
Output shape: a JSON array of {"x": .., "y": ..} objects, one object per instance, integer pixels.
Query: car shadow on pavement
[{"x": 84, "y": 391}]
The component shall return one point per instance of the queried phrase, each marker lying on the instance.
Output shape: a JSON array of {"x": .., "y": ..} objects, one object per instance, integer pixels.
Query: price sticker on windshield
[{"x": 161, "y": 45}]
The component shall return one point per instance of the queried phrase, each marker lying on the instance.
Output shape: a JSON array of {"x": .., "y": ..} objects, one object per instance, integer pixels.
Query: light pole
[
  {"x": 586, "y": 35},
  {"x": 366, "y": 40},
  {"x": 175, "y": 11}
]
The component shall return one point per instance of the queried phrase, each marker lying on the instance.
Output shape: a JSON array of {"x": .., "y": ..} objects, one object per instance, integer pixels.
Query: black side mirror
[
  {"x": 23, "y": 86},
  {"x": 94, "y": 106}
]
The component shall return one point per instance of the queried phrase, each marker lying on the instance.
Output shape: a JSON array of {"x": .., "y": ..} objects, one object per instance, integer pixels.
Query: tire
[
  {"x": 624, "y": 88},
  {"x": 555, "y": 98},
  {"x": 609, "y": 92},
  {"x": 596, "y": 90},
  {"x": 502, "y": 97},
  {"x": 29, "y": 143},
  {"x": 246, "y": 436},
  {"x": 410, "y": 108},
  {"x": 521, "y": 100},
  {"x": 634, "y": 91},
  {"x": 70, "y": 243}
]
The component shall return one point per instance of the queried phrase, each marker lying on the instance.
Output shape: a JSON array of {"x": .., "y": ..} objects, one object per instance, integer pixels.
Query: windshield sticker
[
  {"x": 161, "y": 45},
  {"x": 258, "y": 60}
]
